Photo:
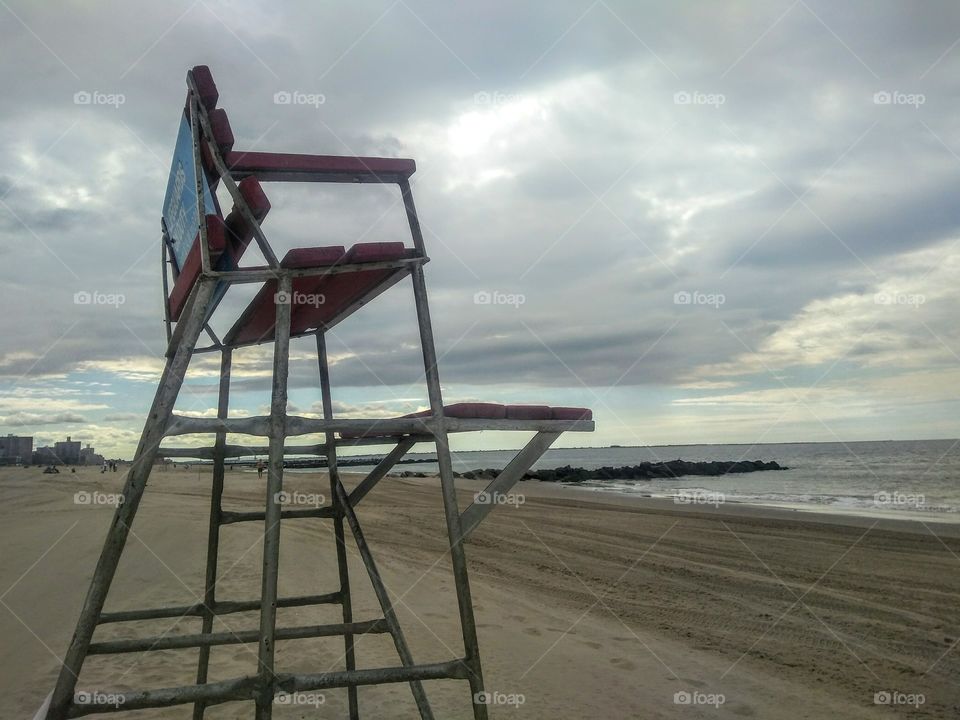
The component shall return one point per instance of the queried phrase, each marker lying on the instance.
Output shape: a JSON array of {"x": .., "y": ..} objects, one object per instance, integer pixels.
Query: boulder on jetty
[{"x": 643, "y": 471}]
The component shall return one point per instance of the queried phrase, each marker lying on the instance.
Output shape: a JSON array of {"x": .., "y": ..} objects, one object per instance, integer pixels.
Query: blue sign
[{"x": 180, "y": 203}]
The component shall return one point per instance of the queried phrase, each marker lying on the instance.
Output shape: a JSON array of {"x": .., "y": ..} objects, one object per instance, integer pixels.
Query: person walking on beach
[{"x": 260, "y": 469}]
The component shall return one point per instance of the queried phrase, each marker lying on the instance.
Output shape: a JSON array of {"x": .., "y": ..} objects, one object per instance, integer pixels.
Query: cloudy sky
[{"x": 718, "y": 222}]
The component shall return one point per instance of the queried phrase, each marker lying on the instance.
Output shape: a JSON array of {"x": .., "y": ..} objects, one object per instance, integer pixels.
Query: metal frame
[{"x": 402, "y": 434}]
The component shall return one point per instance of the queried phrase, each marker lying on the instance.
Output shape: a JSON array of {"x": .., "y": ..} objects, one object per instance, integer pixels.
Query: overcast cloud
[{"x": 727, "y": 221}]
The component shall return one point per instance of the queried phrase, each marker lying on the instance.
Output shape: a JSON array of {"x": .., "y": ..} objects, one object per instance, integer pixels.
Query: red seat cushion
[
  {"x": 344, "y": 289},
  {"x": 529, "y": 412},
  {"x": 491, "y": 411},
  {"x": 193, "y": 265},
  {"x": 239, "y": 231},
  {"x": 259, "y": 319},
  {"x": 572, "y": 413},
  {"x": 223, "y": 136},
  {"x": 228, "y": 240},
  {"x": 206, "y": 87}
]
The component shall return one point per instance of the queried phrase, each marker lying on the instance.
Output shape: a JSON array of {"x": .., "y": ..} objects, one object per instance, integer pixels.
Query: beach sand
[{"x": 588, "y": 606}]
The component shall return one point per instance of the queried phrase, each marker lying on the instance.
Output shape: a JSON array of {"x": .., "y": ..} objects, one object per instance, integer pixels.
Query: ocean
[{"x": 917, "y": 479}]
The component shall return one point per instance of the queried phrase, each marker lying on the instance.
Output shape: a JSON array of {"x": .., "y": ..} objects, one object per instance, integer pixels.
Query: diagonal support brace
[{"x": 508, "y": 477}]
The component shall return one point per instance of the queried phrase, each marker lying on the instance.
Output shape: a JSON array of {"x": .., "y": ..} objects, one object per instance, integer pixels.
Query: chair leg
[
  {"x": 153, "y": 433},
  {"x": 271, "y": 532},
  {"x": 213, "y": 533},
  {"x": 451, "y": 510},
  {"x": 349, "y": 650}
]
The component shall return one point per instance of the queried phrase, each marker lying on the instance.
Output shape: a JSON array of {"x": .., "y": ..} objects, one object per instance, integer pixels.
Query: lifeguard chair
[{"x": 203, "y": 249}]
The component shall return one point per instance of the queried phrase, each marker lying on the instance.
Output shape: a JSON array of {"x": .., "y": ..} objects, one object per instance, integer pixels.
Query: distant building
[
  {"x": 89, "y": 457},
  {"x": 46, "y": 456},
  {"x": 14, "y": 449},
  {"x": 68, "y": 451}
]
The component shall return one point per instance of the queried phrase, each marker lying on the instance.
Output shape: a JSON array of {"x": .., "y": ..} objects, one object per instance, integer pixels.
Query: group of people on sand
[{"x": 108, "y": 465}]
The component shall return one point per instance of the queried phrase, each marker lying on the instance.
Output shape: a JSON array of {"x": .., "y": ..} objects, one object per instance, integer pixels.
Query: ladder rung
[
  {"x": 226, "y": 518},
  {"x": 174, "y": 642},
  {"x": 222, "y": 607},
  {"x": 246, "y": 688}
]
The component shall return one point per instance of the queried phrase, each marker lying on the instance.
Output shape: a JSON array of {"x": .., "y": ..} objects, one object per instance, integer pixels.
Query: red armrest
[{"x": 266, "y": 164}]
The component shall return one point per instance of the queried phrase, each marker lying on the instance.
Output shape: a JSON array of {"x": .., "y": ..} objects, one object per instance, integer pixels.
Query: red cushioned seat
[
  {"x": 258, "y": 320},
  {"x": 206, "y": 87},
  {"x": 529, "y": 412},
  {"x": 193, "y": 265},
  {"x": 223, "y": 137},
  {"x": 488, "y": 411},
  {"x": 239, "y": 231},
  {"x": 571, "y": 413},
  {"x": 341, "y": 291},
  {"x": 228, "y": 240}
]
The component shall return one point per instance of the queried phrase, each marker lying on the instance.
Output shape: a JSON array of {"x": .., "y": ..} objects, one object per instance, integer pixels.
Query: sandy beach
[{"x": 588, "y": 606}]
